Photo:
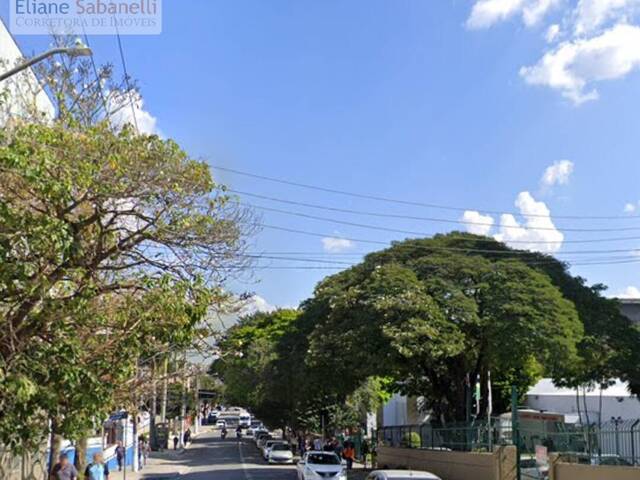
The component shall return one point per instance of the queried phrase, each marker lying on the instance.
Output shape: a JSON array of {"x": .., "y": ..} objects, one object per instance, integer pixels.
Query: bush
[{"x": 411, "y": 440}]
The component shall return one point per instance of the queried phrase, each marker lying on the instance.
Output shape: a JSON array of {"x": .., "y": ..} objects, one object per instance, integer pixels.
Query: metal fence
[
  {"x": 480, "y": 436},
  {"x": 612, "y": 443}
]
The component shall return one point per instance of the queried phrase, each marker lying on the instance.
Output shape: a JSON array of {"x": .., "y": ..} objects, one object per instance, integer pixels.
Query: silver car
[{"x": 401, "y": 475}]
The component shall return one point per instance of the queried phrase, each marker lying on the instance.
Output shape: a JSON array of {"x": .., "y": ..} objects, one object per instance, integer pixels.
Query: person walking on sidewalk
[
  {"x": 64, "y": 470},
  {"x": 97, "y": 470},
  {"x": 176, "y": 440},
  {"x": 349, "y": 454},
  {"x": 120, "y": 453}
]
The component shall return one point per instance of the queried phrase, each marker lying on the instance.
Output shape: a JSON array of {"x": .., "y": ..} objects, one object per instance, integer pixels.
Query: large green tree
[
  {"x": 113, "y": 245},
  {"x": 436, "y": 319}
]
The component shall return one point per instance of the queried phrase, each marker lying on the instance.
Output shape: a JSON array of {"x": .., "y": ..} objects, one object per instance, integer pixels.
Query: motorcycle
[{"x": 238, "y": 434}]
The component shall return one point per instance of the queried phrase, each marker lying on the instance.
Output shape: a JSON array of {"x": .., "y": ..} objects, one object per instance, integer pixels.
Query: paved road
[{"x": 210, "y": 457}]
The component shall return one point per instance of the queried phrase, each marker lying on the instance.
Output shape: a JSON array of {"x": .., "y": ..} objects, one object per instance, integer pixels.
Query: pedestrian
[
  {"x": 176, "y": 440},
  {"x": 349, "y": 454},
  {"x": 64, "y": 470},
  {"x": 145, "y": 452},
  {"x": 301, "y": 444},
  {"x": 120, "y": 453},
  {"x": 97, "y": 470},
  {"x": 337, "y": 448},
  {"x": 140, "y": 453},
  {"x": 317, "y": 444},
  {"x": 329, "y": 446},
  {"x": 365, "y": 451}
]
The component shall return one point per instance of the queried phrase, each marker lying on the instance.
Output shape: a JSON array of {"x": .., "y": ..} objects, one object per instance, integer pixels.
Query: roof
[
  {"x": 399, "y": 474},
  {"x": 545, "y": 387}
]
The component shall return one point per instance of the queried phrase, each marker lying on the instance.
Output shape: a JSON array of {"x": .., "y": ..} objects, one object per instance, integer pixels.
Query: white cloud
[
  {"x": 122, "y": 113},
  {"x": 552, "y": 32},
  {"x": 486, "y": 13},
  {"x": 557, "y": 174},
  {"x": 477, "y": 223},
  {"x": 589, "y": 15},
  {"x": 336, "y": 244},
  {"x": 257, "y": 304},
  {"x": 629, "y": 292},
  {"x": 538, "y": 231},
  {"x": 629, "y": 208},
  {"x": 574, "y": 66}
]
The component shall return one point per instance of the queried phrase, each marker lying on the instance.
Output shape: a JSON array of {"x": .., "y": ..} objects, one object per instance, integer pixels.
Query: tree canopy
[{"x": 427, "y": 317}]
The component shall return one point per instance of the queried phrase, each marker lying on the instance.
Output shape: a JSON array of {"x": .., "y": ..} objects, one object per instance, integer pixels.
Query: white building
[
  {"x": 22, "y": 93},
  {"x": 616, "y": 400}
]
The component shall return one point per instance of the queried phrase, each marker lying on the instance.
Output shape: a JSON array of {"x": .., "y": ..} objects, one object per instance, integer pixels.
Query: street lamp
[{"x": 78, "y": 50}]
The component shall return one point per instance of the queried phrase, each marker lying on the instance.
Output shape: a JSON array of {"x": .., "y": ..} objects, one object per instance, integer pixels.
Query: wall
[
  {"x": 499, "y": 465},
  {"x": 626, "y": 407},
  {"x": 23, "y": 467},
  {"x": 23, "y": 90},
  {"x": 573, "y": 471}
]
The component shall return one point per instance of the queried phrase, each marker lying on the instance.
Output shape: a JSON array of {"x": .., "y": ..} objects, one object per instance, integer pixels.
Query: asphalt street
[{"x": 210, "y": 457}]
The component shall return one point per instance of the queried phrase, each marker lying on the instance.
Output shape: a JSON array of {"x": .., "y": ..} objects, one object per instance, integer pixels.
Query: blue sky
[{"x": 419, "y": 100}]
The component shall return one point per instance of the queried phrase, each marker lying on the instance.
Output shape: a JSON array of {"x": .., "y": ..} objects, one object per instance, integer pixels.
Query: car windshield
[
  {"x": 323, "y": 459},
  {"x": 280, "y": 447}
]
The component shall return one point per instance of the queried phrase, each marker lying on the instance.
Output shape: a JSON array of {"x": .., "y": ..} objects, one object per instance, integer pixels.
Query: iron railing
[{"x": 612, "y": 443}]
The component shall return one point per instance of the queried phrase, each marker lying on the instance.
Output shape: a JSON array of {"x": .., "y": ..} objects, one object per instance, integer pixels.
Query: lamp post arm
[{"x": 31, "y": 62}]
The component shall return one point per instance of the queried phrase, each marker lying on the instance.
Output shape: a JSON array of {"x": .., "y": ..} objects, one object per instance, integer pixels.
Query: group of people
[
  {"x": 345, "y": 450},
  {"x": 98, "y": 468},
  {"x": 186, "y": 438},
  {"x": 65, "y": 470}
]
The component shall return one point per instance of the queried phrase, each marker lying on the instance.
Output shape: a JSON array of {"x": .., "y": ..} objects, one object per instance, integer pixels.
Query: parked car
[
  {"x": 262, "y": 440},
  {"x": 530, "y": 470},
  {"x": 267, "y": 447},
  {"x": 257, "y": 433},
  {"x": 315, "y": 464},
  {"x": 400, "y": 475},
  {"x": 221, "y": 424},
  {"x": 280, "y": 453}
]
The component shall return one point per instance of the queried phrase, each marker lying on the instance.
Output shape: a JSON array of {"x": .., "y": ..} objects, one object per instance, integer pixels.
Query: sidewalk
[{"x": 165, "y": 465}]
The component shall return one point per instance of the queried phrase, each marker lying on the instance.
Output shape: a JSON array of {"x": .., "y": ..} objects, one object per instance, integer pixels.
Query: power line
[
  {"x": 98, "y": 79},
  {"x": 411, "y": 232},
  {"x": 126, "y": 78},
  {"x": 438, "y": 247},
  {"x": 420, "y": 218},
  {"x": 410, "y": 202}
]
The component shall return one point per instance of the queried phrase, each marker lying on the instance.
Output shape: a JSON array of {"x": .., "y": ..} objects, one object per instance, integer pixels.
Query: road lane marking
[{"x": 247, "y": 473}]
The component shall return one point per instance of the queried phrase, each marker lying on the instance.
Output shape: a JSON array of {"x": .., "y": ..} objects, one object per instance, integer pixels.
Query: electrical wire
[
  {"x": 126, "y": 78},
  {"x": 411, "y": 232},
  {"x": 409, "y": 202},
  {"x": 420, "y": 218}
]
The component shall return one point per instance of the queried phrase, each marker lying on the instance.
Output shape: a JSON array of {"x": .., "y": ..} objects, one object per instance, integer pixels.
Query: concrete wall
[
  {"x": 499, "y": 465},
  {"x": 25, "y": 97},
  {"x": 573, "y": 471},
  {"x": 30, "y": 466}
]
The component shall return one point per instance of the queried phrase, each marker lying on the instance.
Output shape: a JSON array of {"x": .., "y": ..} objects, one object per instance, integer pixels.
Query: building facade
[{"x": 21, "y": 96}]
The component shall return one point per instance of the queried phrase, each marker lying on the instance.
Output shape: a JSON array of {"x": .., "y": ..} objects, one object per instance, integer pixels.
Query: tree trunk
[
  {"x": 56, "y": 445},
  {"x": 80, "y": 460}
]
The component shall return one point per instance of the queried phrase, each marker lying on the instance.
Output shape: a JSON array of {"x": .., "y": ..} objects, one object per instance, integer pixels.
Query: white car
[
  {"x": 266, "y": 448},
  {"x": 316, "y": 465},
  {"x": 280, "y": 453},
  {"x": 400, "y": 475},
  {"x": 221, "y": 424}
]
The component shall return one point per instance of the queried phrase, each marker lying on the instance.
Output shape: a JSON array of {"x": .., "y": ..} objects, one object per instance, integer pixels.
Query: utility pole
[
  {"x": 196, "y": 427},
  {"x": 183, "y": 409},
  {"x": 165, "y": 387},
  {"x": 515, "y": 428},
  {"x": 154, "y": 406}
]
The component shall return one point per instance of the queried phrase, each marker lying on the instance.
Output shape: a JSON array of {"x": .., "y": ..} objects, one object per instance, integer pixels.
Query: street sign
[{"x": 114, "y": 417}]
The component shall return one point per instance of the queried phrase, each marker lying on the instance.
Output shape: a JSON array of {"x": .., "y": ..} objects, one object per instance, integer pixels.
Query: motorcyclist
[
  {"x": 239, "y": 432},
  {"x": 224, "y": 432}
]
